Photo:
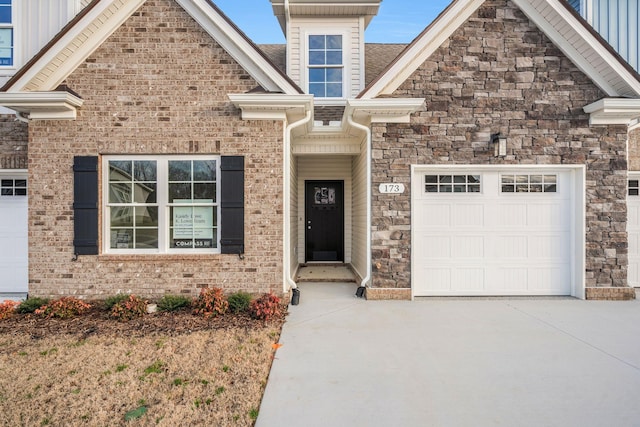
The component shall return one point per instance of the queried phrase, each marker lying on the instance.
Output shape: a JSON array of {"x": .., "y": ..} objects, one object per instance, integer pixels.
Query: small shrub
[
  {"x": 113, "y": 300},
  {"x": 239, "y": 302},
  {"x": 130, "y": 308},
  {"x": 7, "y": 308},
  {"x": 63, "y": 308},
  {"x": 210, "y": 302},
  {"x": 30, "y": 305},
  {"x": 265, "y": 308},
  {"x": 173, "y": 303}
]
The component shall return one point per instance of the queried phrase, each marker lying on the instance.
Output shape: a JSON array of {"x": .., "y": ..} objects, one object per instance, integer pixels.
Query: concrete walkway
[{"x": 459, "y": 362}]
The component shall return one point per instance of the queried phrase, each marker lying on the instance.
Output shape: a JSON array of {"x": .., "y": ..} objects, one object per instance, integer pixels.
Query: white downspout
[
  {"x": 287, "y": 198},
  {"x": 367, "y": 130}
]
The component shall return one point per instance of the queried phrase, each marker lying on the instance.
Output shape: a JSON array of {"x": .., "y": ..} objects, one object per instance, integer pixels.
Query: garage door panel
[
  {"x": 468, "y": 215},
  {"x": 468, "y": 247},
  {"x": 496, "y": 244},
  {"x": 633, "y": 230},
  {"x": 13, "y": 241}
]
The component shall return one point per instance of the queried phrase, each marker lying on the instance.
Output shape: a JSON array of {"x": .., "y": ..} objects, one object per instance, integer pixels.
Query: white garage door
[
  {"x": 633, "y": 229},
  {"x": 13, "y": 233},
  {"x": 492, "y": 232}
]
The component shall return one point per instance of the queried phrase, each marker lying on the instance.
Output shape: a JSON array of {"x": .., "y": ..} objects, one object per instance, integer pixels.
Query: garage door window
[
  {"x": 524, "y": 183},
  {"x": 452, "y": 183},
  {"x": 13, "y": 187},
  {"x": 633, "y": 187}
]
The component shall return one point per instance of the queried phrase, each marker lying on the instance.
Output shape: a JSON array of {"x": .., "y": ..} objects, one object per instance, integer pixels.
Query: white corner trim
[
  {"x": 563, "y": 19},
  {"x": 423, "y": 48},
  {"x": 613, "y": 111},
  {"x": 76, "y": 45},
  {"x": 55, "y": 105},
  {"x": 238, "y": 47}
]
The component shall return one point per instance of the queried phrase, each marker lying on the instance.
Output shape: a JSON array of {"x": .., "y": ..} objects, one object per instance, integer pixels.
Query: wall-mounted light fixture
[{"x": 499, "y": 143}]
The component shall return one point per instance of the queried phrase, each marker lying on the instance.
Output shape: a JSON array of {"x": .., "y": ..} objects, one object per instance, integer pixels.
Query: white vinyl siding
[
  {"x": 352, "y": 30},
  {"x": 334, "y": 168},
  {"x": 617, "y": 21},
  {"x": 293, "y": 215},
  {"x": 359, "y": 253}
]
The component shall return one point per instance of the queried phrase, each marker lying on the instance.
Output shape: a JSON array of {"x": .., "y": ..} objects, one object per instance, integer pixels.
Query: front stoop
[
  {"x": 611, "y": 293},
  {"x": 377, "y": 294}
]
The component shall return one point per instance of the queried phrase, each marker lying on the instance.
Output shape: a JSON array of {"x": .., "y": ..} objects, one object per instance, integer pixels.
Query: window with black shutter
[
  {"x": 85, "y": 205},
  {"x": 232, "y": 205}
]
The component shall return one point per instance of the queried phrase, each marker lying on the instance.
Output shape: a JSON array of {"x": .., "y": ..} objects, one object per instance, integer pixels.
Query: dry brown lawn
[{"x": 164, "y": 370}]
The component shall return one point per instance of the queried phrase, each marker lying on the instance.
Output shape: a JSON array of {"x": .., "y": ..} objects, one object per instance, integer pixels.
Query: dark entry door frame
[{"x": 324, "y": 221}]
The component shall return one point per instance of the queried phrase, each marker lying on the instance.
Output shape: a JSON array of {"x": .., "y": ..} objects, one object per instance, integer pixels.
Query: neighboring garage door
[
  {"x": 13, "y": 233},
  {"x": 489, "y": 231},
  {"x": 633, "y": 229}
]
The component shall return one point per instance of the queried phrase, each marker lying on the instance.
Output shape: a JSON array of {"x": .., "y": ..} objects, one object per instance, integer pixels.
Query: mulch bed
[{"x": 99, "y": 322}]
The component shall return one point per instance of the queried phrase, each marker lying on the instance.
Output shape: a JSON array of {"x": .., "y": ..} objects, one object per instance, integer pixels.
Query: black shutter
[
  {"x": 232, "y": 204},
  {"x": 85, "y": 205}
]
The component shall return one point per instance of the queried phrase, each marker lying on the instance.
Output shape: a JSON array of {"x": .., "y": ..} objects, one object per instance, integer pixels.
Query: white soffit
[
  {"x": 275, "y": 106},
  {"x": 55, "y": 105},
  {"x": 75, "y": 45},
  {"x": 581, "y": 46},
  {"x": 614, "y": 111},
  {"x": 107, "y": 16},
  {"x": 383, "y": 110}
]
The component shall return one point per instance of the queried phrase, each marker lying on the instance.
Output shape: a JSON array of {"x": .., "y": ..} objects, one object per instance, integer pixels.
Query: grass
[{"x": 208, "y": 377}]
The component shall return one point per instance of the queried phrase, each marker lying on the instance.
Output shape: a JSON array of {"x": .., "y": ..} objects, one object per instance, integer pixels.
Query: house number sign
[{"x": 391, "y": 188}]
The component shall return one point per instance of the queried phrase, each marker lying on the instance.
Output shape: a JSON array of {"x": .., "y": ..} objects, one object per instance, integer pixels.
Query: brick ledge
[
  {"x": 378, "y": 294},
  {"x": 611, "y": 294}
]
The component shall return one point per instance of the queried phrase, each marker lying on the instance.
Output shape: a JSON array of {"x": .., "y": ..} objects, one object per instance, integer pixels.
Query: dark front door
[{"x": 324, "y": 222}]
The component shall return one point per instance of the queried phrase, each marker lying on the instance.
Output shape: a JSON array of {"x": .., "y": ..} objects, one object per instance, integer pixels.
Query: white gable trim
[
  {"x": 422, "y": 48},
  {"x": 238, "y": 47},
  {"x": 75, "y": 46},
  {"x": 606, "y": 71},
  {"x": 61, "y": 59},
  {"x": 550, "y": 16},
  {"x": 55, "y": 105}
]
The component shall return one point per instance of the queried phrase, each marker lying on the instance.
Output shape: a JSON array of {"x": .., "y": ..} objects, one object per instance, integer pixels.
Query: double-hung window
[
  {"x": 325, "y": 66},
  {"x": 6, "y": 33},
  {"x": 162, "y": 204}
]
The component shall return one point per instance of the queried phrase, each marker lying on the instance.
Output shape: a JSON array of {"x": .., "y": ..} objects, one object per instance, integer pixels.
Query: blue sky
[{"x": 398, "y": 21}]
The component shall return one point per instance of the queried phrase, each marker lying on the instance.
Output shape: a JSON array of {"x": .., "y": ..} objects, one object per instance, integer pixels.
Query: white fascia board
[
  {"x": 103, "y": 19},
  {"x": 419, "y": 51},
  {"x": 568, "y": 20},
  {"x": 613, "y": 111},
  {"x": 240, "y": 49},
  {"x": 54, "y": 105},
  {"x": 266, "y": 106},
  {"x": 384, "y": 110}
]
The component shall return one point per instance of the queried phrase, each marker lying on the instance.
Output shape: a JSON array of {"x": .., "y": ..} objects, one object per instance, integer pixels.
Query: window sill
[{"x": 158, "y": 257}]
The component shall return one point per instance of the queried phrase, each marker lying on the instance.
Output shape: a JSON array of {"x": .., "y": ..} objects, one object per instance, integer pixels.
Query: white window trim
[
  {"x": 163, "y": 206},
  {"x": 14, "y": 20},
  {"x": 346, "y": 68}
]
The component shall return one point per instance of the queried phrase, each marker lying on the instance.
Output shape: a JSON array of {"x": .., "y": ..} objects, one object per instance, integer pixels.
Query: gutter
[
  {"x": 367, "y": 131},
  {"x": 287, "y": 197}
]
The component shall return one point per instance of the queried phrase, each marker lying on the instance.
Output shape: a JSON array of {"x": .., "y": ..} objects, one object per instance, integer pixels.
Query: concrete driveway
[{"x": 454, "y": 362}]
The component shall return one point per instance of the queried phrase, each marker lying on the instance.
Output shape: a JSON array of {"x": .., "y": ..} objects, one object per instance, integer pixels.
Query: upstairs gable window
[
  {"x": 325, "y": 66},
  {"x": 6, "y": 33}
]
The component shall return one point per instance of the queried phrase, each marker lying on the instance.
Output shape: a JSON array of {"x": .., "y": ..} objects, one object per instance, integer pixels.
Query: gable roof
[
  {"x": 101, "y": 18},
  {"x": 555, "y": 18}
]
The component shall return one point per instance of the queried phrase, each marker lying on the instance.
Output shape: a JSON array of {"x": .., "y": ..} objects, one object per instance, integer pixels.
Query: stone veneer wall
[
  {"x": 634, "y": 149},
  {"x": 158, "y": 85},
  {"x": 13, "y": 142},
  {"x": 499, "y": 73}
]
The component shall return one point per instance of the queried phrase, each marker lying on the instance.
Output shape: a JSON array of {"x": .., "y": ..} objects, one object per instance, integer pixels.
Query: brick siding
[
  {"x": 634, "y": 149},
  {"x": 158, "y": 85},
  {"x": 499, "y": 73}
]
